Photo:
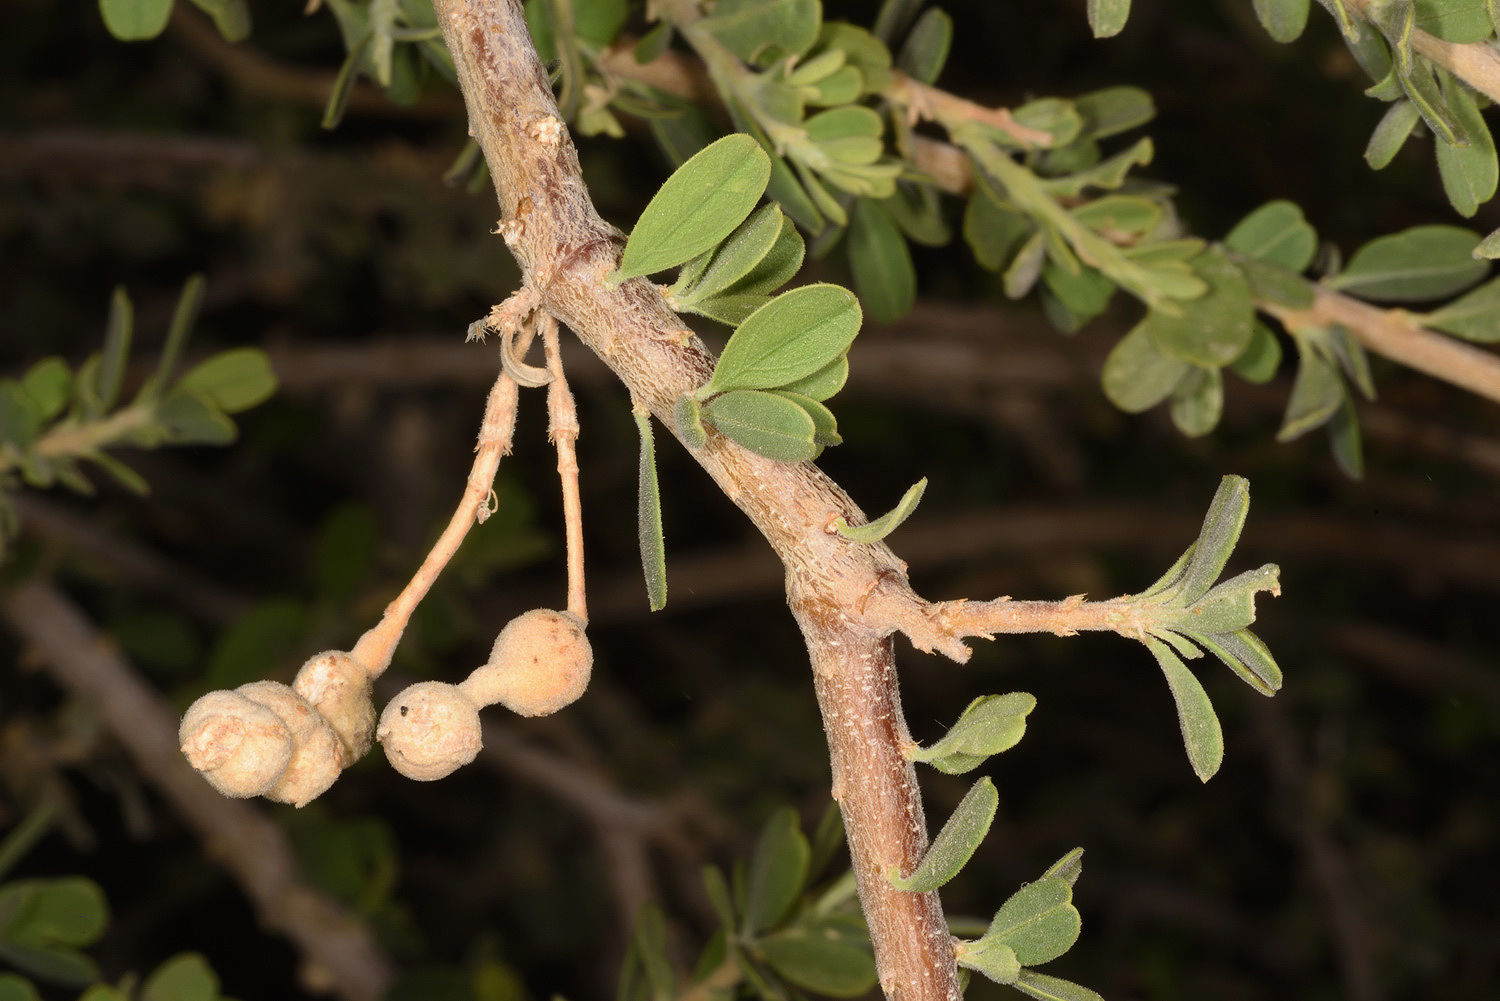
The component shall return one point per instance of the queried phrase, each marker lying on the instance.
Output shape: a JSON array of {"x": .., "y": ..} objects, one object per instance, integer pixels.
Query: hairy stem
[
  {"x": 565, "y": 250},
  {"x": 70, "y": 440}
]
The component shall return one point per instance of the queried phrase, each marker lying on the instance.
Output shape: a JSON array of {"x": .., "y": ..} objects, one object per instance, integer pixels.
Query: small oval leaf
[
  {"x": 698, "y": 206},
  {"x": 766, "y": 424},
  {"x": 789, "y": 338},
  {"x": 1201, "y": 734}
]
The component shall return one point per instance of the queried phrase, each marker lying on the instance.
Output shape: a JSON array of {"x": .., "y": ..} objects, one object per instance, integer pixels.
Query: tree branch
[
  {"x": 339, "y": 953},
  {"x": 565, "y": 249}
]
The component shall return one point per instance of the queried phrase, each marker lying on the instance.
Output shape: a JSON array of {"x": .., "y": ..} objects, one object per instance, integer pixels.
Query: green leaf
[
  {"x": 1045, "y": 988},
  {"x": 1114, "y": 110},
  {"x": 1038, "y": 922},
  {"x": 1417, "y": 264},
  {"x": 57, "y": 964},
  {"x": 1276, "y": 284},
  {"x": 1053, "y": 115},
  {"x": 1244, "y": 654},
  {"x": 862, "y": 51},
  {"x": 1230, "y": 606},
  {"x": 69, "y": 911},
  {"x": 186, "y": 417},
  {"x": 1068, "y": 868},
  {"x": 736, "y": 257},
  {"x": 1126, "y": 215},
  {"x": 48, "y": 385},
  {"x": 778, "y": 870},
  {"x": 1026, "y": 267},
  {"x": 648, "y": 517},
  {"x": 1107, "y": 17},
  {"x": 1201, "y": 734},
  {"x": 990, "y": 725},
  {"x": 1108, "y": 174},
  {"x": 1198, "y": 401},
  {"x": 1261, "y": 358},
  {"x": 697, "y": 207},
  {"x": 925, "y": 52},
  {"x": 1213, "y": 329},
  {"x": 955, "y": 843},
  {"x": 1216, "y": 539},
  {"x": 1469, "y": 172},
  {"x": 1137, "y": 375},
  {"x": 17, "y": 988},
  {"x": 750, "y": 27},
  {"x": 184, "y": 316},
  {"x": 135, "y": 20},
  {"x": 687, "y": 415},
  {"x": 719, "y": 897},
  {"x": 1391, "y": 133},
  {"x": 766, "y": 424},
  {"x": 1474, "y": 317},
  {"x": 1351, "y": 358},
  {"x": 887, "y": 523},
  {"x": 182, "y": 978},
  {"x": 232, "y": 380},
  {"x": 990, "y": 957},
  {"x": 776, "y": 268},
  {"x": 1078, "y": 298},
  {"x": 1276, "y": 233},
  {"x": 1460, "y": 21},
  {"x": 1283, "y": 20},
  {"x": 825, "y": 425},
  {"x": 878, "y": 255},
  {"x": 789, "y": 338},
  {"x": 917, "y": 208},
  {"x": 343, "y": 81},
  {"x": 995, "y": 232},
  {"x": 829, "y": 956},
  {"x": 231, "y": 17},
  {"x": 1316, "y": 394},
  {"x": 116, "y": 350},
  {"x": 823, "y": 383}
]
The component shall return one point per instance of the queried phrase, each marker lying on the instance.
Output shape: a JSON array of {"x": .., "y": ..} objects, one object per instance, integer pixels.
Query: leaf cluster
[
  {"x": 780, "y": 933},
  {"x": 54, "y": 418}
]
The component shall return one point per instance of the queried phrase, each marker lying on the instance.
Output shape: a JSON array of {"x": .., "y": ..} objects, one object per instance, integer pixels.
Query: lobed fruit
[
  {"x": 338, "y": 687},
  {"x": 541, "y": 662},
  {"x": 239, "y": 745},
  {"x": 317, "y": 753}
]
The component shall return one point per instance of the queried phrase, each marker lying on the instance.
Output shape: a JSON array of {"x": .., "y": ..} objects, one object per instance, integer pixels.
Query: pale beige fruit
[
  {"x": 317, "y": 752},
  {"x": 338, "y": 687},
  {"x": 430, "y": 731},
  {"x": 540, "y": 663},
  {"x": 239, "y": 745}
]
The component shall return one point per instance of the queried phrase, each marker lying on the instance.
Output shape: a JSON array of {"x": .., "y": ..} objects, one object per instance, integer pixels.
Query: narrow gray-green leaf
[
  {"x": 1283, "y": 20},
  {"x": 1474, "y": 317},
  {"x": 135, "y": 20},
  {"x": 736, "y": 257},
  {"x": 990, "y": 957},
  {"x": 1244, "y": 654},
  {"x": 995, "y": 232},
  {"x": 887, "y": 523},
  {"x": 698, "y": 206},
  {"x": 1038, "y": 922},
  {"x": 1216, "y": 540},
  {"x": 116, "y": 350},
  {"x": 1230, "y": 606},
  {"x": 648, "y": 517},
  {"x": 1045, "y": 988},
  {"x": 956, "y": 843},
  {"x": 777, "y": 871},
  {"x": 1316, "y": 394},
  {"x": 1201, "y": 735},
  {"x": 765, "y": 423},
  {"x": 1277, "y": 233},
  {"x": 1137, "y": 375},
  {"x": 789, "y": 338},
  {"x": 1391, "y": 133},
  {"x": 687, "y": 415},
  {"x": 881, "y": 262},
  {"x": 990, "y": 725},
  {"x": 926, "y": 49},
  {"x": 184, "y": 317},
  {"x": 1068, "y": 868},
  {"x": 1107, "y": 17},
  {"x": 1261, "y": 358},
  {"x": 1469, "y": 172},
  {"x": 1414, "y": 265}
]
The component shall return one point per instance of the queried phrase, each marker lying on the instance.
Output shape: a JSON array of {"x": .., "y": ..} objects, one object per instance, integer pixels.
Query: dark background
[{"x": 1346, "y": 850}]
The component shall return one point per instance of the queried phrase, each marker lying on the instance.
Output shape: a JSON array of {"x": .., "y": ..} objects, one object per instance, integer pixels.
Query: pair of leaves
[
  {"x": 738, "y": 276},
  {"x": 989, "y": 725},
  {"x": 1184, "y": 608},
  {"x": 767, "y": 388},
  {"x": 140, "y": 20},
  {"x": 1036, "y": 924}
]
